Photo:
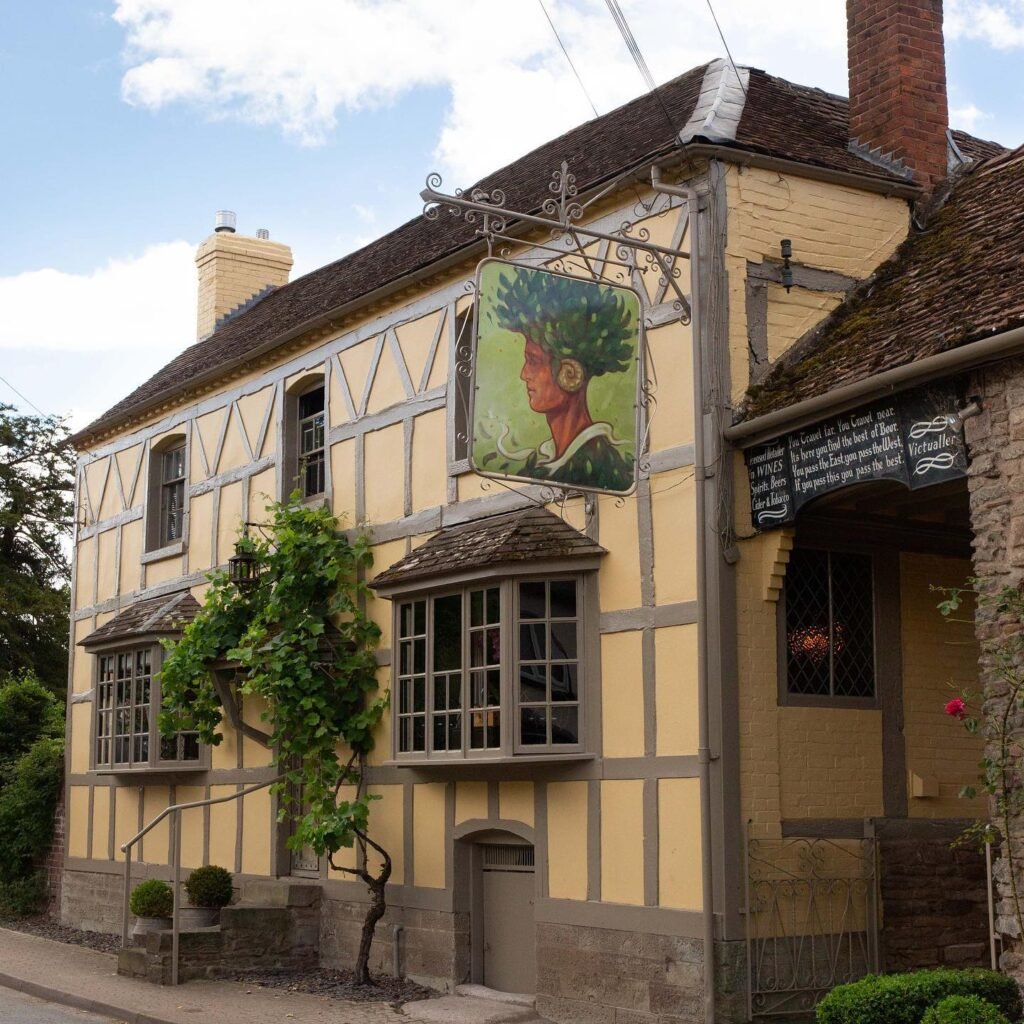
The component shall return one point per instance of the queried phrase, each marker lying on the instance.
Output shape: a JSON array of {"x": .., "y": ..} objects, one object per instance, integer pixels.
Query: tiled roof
[
  {"x": 957, "y": 281},
  {"x": 157, "y": 616},
  {"x": 779, "y": 119},
  {"x": 527, "y": 535}
]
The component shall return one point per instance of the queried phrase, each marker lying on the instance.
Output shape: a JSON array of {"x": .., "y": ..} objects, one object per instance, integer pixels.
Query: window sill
[
  {"x": 167, "y": 769},
  {"x": 808, "y": 700},
  {"x": 159, "y": 554},
  {"x": 469, "y": 763}
]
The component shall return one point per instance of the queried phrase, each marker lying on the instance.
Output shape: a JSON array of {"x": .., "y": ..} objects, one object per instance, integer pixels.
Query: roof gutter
[
  {"x": 801, "y": 414},
  {"x": 749, "y": 158}
]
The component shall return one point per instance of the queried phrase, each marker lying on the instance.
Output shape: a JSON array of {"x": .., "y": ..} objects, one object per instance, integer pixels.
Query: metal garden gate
[{"x": 812, "y": 921}]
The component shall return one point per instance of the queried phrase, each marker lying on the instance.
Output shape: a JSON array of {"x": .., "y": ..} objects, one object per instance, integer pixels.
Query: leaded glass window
[
  {"x": 172, "y": 495},
  {"x": 829, "y": 635},
  {"x": 311, "y": 443}
]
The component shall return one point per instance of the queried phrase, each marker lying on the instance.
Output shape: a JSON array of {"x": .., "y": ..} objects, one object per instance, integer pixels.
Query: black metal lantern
[{"x": 244, "y": 568}]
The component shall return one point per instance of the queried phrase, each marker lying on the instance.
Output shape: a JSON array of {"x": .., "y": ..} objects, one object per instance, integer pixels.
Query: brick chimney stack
[
  {"x": 897, "y": 67},
  {"x": 233, "y": 268}
]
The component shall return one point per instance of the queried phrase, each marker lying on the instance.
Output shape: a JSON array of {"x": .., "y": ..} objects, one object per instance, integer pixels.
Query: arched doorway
[{"x": 498, "y": 884}]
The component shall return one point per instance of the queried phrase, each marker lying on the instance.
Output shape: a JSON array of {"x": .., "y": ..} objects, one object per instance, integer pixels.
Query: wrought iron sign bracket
[{"x": 560, "y": 214}]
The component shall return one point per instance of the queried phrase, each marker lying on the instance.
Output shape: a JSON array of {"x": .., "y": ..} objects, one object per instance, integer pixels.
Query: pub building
[{"x": 696, "y": 719}]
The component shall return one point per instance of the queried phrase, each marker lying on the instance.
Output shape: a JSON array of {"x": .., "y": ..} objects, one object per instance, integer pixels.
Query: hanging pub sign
[
  {"x": 915, "y": 438},
  {"x": 556, "y": 378}
]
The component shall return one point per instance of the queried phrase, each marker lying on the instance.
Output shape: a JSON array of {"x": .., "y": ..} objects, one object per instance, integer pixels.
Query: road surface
[{"x": 17, "y": 1008}]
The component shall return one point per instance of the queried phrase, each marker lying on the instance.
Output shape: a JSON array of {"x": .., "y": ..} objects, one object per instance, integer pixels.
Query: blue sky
[{"x": 127, "y": 123}]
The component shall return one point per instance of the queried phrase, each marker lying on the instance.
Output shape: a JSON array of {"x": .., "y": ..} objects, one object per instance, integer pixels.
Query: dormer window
[{"x": 311, "y": 443}]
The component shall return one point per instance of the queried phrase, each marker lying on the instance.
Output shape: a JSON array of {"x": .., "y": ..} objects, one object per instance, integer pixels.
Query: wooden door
[{"x": 508, "y": 930}]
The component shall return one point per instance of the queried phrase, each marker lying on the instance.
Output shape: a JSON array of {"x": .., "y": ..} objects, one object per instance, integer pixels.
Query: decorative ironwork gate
[{"x": 812, "y": 921}]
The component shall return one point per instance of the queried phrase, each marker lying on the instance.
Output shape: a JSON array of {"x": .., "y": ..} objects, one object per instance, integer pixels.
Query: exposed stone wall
[
  {"x": 934, "y": 904},
  {"x": 605, "y": 976},
  {"x": 995, "y": 441},
  {"x": 92, "y": 901},
  {"x": 434, "y": 946}
]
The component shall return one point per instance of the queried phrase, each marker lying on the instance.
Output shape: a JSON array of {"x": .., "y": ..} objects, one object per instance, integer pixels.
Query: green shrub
[
  {"x": 904, "y": 998},
  {"x": 963, "y": 1010},
  {"x": 28, "y": 802},
  {"x": 152, "y": 898},
  {"x": 209, "y": 886},
  {"x": 28, "y": 712},
  {"x": 23, "y": 896}
]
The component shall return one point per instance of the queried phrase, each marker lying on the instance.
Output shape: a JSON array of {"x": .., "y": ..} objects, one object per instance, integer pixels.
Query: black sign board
[{"x": 915, "y": 437}]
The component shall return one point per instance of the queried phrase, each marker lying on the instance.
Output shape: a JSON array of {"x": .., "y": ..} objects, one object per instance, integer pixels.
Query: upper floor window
[
  {"x": 311, "y": 443},
  {"x": 168, "y": 494},
  {"x": 127, "y": 704},
  {"x": 489, "y": 670},
  {"x": 829, "y": 620}
]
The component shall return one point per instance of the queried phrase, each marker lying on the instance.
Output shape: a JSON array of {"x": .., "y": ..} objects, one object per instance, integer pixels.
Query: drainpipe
[
  {"x": 396, "y": 949},
  {"x": 699, "y": 477}
]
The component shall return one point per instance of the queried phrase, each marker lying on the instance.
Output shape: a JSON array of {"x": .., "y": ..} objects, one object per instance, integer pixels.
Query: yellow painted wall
[
  {"x": 229, "y": 522},
  {"x": 78, "y": 821},
  {"x": 132, "y": 543},
  {"x": 670, "y": 359},
  {"x": 429, "y": 460},
  {"x": 101, "y": 823},
  {"x": 619, "y": 574},
  {"x": 343, "y": 479},
  {"x": 622, "y": 842},
  {"x": 675, "y": 654},
  {"x": 385, "y": 488},
  {"x": 622, "y": 695},
  {"x": 470, "y": 801},
  {"x": 567, "y": 840},
  {"x": 387, "y": 829},
  {"x": 191, "y": 826},
  {"x": 223, "y": 828},
  {"x": 515, "y": 801},
  {"x": 257, "y": 832},
  {"x": 679, "y": 831},
  {"x": 85, "y": 569},
  {"x": 200, "y": 534},
  {"x": 156, "y": 843},
  {"x": 673, "y": 503},
  {"x": 428, "y": 816},
  {"x": 81, "y": 723},
  {"x": 254, "y": 754},
  {"x": 940, "y": 659},
  {"x": 416, "y": 339},
  {"x": 831, "y": 763},
  {"x": 126, "y": 817}
]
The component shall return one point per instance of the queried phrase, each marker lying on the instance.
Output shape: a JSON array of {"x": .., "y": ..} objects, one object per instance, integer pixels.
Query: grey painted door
[{"x": 509, "y": 940}]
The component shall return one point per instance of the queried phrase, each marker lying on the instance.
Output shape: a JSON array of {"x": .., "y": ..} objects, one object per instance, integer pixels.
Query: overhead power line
[
  {"x": 22, "y": 397},
  {"x": 568, "y": 58},
  {"x": 728, "y": 52}
]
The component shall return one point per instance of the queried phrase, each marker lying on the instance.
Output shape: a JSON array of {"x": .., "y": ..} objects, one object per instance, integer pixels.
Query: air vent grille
[{"x": 507, "y": 857}]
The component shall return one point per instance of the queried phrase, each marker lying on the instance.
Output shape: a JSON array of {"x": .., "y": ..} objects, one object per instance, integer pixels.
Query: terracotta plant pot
[{"x": 198, "y": 917}]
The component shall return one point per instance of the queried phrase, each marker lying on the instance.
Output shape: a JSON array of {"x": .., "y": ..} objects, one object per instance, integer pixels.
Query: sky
[{"x": 125, "y": 124}]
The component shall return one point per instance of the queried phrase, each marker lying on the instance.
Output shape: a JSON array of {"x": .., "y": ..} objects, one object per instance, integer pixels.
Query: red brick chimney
[{"x": 898, "y": 83}]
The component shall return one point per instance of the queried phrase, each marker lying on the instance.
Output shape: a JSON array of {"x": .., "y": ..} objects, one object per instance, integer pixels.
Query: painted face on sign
[{"x": 541, "y": 387}]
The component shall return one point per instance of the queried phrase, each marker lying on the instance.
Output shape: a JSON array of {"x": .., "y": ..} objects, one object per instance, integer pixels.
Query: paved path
[
  {"x": 18, "y": 1008},
  {"x": 87, "y": 980}
]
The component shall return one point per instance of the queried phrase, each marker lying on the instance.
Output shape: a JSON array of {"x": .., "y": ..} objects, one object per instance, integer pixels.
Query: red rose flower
[{"x": 957, "y": 709}]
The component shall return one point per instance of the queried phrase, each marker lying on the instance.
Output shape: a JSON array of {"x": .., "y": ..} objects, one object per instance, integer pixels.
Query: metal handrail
[{"x": 126, "y": 849}]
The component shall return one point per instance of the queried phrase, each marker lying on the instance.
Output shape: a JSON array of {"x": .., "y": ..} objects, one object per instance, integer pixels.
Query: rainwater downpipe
[{"x": 699, "y": 477}]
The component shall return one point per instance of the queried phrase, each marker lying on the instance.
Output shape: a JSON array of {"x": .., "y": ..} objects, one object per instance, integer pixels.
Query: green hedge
[
  {"x": 209, "y": 886},
  {"x": 964, "y": 1010},
  {"x": 152, "y": 898},
  {"x": 905, "y": 998}
]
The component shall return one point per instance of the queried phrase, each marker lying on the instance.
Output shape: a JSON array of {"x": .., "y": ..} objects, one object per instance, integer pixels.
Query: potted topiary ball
[
  {"x": 152, "y": 903},
  {"x": 209, "y": 889}
]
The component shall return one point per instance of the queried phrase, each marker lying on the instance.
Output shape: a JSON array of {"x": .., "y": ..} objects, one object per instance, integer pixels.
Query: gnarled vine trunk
[{"x": 377, "y": 885}]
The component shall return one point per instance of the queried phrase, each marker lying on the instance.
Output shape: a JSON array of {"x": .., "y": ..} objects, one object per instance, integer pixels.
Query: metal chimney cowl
[{"x": 225, "y": 220}]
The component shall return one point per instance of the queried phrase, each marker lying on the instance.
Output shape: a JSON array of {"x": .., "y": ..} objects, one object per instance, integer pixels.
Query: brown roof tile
[
  {"x": 155, "y": 617},
  {"x": 779, "y": 119},
  {"x": 957, "y": 281},
  {"x": 527, "y": 535}
]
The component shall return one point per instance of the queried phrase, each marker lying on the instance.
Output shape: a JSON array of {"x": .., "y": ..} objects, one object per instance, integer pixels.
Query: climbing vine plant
[
  {"x": 998, "y": 715},
  {"x": 302, "y": 641}
]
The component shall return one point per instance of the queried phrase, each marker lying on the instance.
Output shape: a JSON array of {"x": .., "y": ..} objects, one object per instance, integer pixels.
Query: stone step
[{"x": 278, "y": 892}]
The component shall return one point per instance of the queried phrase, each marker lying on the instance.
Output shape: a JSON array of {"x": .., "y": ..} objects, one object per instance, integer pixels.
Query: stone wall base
[{"x": 92, "y": 900}]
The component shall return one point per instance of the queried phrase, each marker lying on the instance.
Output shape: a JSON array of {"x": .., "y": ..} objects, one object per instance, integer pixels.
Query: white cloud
[
  {"x": 968, "y": 117},
  {"x": 144, "y": 303},
  {"x": 999, "y": 23},
  {"x": 297, "y": 66}
]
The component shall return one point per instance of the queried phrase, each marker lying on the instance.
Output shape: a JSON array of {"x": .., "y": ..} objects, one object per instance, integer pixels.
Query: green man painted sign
[{"x": 556, "y": 379}]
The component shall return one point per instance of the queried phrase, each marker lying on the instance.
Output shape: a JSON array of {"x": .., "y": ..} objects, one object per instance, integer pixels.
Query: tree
[
  {"x": 36, "y": 513},
  {"x": 303, "y": 642}
]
